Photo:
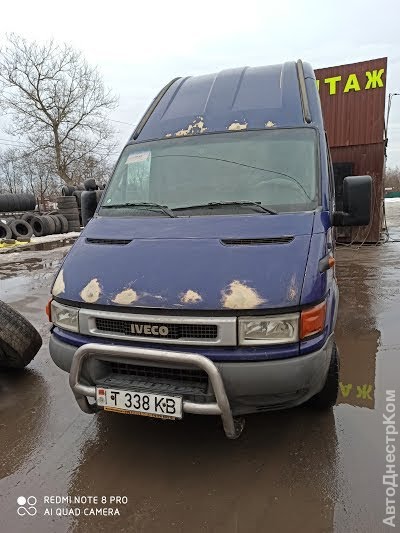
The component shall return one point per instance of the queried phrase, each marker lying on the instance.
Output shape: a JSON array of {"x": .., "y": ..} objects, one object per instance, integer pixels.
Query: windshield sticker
[
  {"x": 139, "y": 157},
  {"x": 138, "y": 175}
]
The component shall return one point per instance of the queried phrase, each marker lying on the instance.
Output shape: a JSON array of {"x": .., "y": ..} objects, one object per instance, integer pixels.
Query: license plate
[{"x": 139, "y": 403}]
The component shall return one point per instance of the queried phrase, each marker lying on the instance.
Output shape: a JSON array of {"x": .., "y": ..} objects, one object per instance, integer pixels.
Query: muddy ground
[{"x": 296, "y": 470}]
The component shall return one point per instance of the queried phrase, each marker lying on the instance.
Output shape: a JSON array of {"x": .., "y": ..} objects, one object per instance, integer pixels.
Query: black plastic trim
[
  {"x": 285, "y": 239},
  {"x": 303, "y": 92},
  {"x": 190, "y": 312}
]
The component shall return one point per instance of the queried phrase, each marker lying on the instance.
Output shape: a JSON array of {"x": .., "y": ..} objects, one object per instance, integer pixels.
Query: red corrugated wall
[{"x": 353, "y": 104}]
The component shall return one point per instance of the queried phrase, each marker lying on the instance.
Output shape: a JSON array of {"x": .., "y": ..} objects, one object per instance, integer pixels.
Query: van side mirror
[{"x": 357, "y": 192}]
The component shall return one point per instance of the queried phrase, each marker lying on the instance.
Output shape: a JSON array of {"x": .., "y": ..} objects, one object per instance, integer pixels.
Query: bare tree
[
  {"x": 25, "y": 172},
  {"x": 92, "y": 167},
  {"x": 392, "y": 178},
  {"x": 56, "y": 103},
  {"x": 11, "y": 179},
  {"x": 41, "y": 181}
]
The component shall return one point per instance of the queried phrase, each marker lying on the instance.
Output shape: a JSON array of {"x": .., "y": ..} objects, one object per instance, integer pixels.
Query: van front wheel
[{"x": 326, "y": 398}]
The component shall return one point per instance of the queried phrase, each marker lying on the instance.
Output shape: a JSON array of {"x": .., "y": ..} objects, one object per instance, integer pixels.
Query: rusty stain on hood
[
  {"x": 191, "y": 297},
  {"x": 125, "y": 297},
  {"x": 59, "y": 284},
  {"x": 240, "y": 296},
  {"x": 91, "y": 293},
  {"x": 236, "y": 126},
  {"x": 196, "y": 127}
]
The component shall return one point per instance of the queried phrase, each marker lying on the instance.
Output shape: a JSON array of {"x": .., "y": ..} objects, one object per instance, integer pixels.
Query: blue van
[{"x": 205, "y": 282}]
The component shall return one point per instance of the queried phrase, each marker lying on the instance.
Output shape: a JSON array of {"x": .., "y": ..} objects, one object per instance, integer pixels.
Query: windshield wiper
[
  {"x": 258, "y": 205},
  {"x": 149, "y": 205}
]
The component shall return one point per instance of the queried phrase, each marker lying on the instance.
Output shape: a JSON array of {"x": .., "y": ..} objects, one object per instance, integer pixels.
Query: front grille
[
  {"x": 190, "y": 383},
  {"x": 161, "y": 374},
  {"x": 175, "y": 331}
]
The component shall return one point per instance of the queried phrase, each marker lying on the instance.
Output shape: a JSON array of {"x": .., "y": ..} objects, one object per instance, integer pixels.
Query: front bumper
[{"x": 236, "y": 388}]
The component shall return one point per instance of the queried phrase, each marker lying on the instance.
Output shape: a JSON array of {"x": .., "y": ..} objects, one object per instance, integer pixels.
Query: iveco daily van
[{"x": 205, "y": 282}]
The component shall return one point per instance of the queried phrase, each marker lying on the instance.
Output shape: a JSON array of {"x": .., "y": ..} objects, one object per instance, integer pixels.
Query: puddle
[{"x": 32, "y": 264}]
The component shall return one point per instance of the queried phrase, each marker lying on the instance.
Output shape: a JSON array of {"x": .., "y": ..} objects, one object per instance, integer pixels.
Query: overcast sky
[{"x": 140, "y": 46}]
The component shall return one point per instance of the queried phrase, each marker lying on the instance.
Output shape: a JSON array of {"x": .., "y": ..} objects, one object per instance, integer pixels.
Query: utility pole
[{"x": 387, "y": 117}]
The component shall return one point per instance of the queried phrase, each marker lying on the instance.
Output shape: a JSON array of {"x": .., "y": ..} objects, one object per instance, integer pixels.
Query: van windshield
[{"x": 275, "y": 168}]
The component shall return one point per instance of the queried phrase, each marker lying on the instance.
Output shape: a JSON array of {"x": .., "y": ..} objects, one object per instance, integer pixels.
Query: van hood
[{"x": 200, "y": 263}]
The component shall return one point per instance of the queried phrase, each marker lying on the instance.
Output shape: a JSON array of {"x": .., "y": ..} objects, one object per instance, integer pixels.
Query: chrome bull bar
[{"x": 232, "y": 426}]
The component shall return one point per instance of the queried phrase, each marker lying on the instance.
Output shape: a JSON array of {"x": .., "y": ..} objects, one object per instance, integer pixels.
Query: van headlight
[
  {"x": 280, "y": 329},
  {"x": 65, "y": 316}
]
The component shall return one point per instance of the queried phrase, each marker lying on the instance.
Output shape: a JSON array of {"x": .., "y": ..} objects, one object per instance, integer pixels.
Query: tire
[
  {"x": 21, "y": 229},
  {"x": 72, "y": 218},
  {"x": 63, "y": 222},
  {"x": 74, "y": 225},
  {"x": 326, "y": 398},
  {"x": 38, "y": 226},
  {"x": 17, "y": 202},
  {"x": 19, "y": 340},
  {"x": 67, "y": 190},
  {"x": 5, "y": 231},
  {"x": 57, "y": 224},
  {"x": 27, "y": 202},
  {"x": 69, "y": 210},
  {"x": 90, "y": 184},
  {"x": 78, "y": 195},
  {"x": 49, "y": 225},
  {"x": 89, "y": 204},
  {"x": 66, "y": 202},
  {"x": 28, "y": 217},
  {"x": 5, "y": 203}
]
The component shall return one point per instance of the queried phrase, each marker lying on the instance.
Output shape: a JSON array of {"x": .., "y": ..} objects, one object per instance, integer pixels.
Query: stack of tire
[
  {"x": 89, "y": 199},
  {"x": 30, "y": 224},
  {"x": 10, "y": 203},
  {"x": 68, "y": 208},
  {"x": 47, "y": 224}
]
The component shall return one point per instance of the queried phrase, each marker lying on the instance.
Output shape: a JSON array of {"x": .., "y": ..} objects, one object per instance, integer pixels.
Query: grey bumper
[{"x": 248, "y": 386}]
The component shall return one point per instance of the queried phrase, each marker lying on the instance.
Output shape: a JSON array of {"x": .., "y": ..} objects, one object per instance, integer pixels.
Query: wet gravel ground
[{"x": 295, "y": 470}]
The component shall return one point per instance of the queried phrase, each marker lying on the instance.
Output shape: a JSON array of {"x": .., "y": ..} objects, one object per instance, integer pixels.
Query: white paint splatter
[
  {"x": 269, "y": 124},
  {"x": 191, "y": 297},
  {"x": 125, "y": 297},
  {"x": 59, "y": 284},
  {"x": 91, "y": 293},
  {"x": 236, "y": 126},
  {"x": 240, "y": 296},
  {"x": 197, "y": 126}
]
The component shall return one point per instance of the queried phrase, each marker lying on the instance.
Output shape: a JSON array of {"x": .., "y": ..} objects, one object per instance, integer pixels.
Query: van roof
[{"x": 234, "y": 99}]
